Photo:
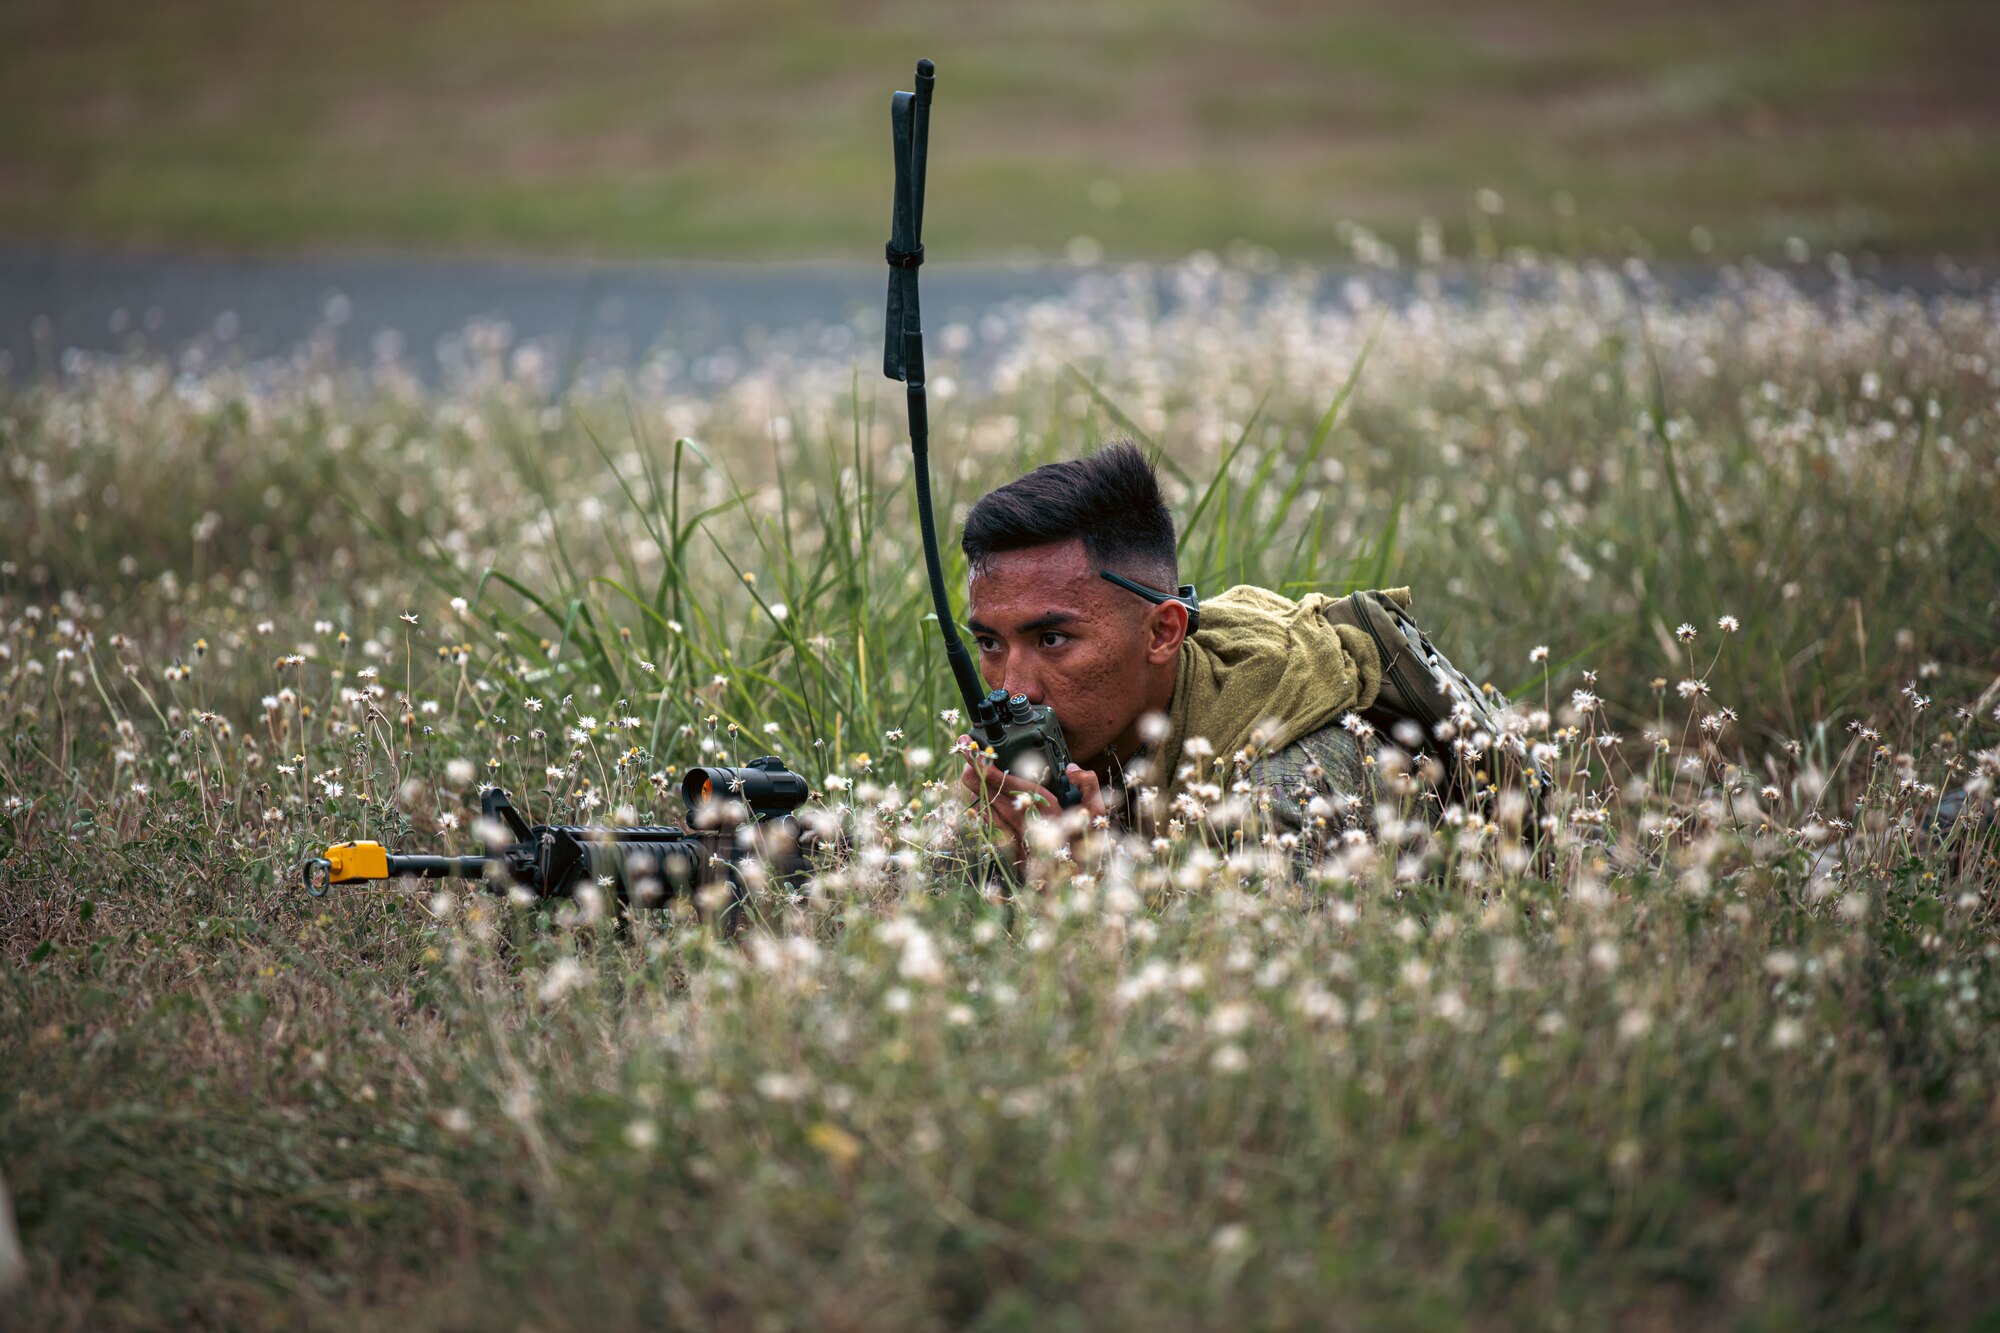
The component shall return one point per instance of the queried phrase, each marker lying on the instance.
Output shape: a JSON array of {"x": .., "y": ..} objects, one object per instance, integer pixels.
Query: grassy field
[
  {"x": 1720, "y": 1049},
  {"x": 1151, "y": 128}
]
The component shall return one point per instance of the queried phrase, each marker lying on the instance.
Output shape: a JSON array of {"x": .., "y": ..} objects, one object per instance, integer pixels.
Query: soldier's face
[{"x": 1048, "y": 627}]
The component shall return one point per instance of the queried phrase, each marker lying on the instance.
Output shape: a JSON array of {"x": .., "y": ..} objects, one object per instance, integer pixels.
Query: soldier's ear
[{"x": 1166, "y": 625}]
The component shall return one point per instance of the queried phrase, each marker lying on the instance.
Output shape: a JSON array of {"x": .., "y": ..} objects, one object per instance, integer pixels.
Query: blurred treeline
[{"x": 1123, "y": 127}]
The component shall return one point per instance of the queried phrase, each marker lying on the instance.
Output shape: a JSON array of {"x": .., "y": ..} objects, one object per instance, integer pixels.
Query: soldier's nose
[{"x": 1033, "y": 689}]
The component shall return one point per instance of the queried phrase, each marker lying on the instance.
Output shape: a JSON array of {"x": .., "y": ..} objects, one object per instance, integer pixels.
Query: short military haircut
[{"x": 1110, "y": 499}]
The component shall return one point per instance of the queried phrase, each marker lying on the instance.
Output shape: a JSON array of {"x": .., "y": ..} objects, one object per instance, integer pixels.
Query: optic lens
[{"x": 770, "y": 789}]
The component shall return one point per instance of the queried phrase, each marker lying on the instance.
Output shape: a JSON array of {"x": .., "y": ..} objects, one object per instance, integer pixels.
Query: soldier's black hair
[{"x": 1110, "y": 499}]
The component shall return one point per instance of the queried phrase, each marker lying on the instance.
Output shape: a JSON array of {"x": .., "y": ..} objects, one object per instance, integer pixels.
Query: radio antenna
[{"x": 903, "y": 352}]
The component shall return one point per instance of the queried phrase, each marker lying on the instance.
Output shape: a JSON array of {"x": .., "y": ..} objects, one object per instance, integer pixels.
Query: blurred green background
[{"x": 1151, "y": 127}]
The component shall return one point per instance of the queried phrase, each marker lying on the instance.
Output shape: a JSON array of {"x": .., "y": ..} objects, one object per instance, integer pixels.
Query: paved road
[{"x": 53, "y": 300}]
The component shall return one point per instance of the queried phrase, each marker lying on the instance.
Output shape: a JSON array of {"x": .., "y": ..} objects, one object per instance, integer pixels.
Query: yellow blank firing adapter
[{"x": 356, "y": 860}]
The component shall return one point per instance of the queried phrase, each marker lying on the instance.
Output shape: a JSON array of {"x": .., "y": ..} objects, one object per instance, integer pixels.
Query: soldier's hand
[{"x": 1007, "y": 801}]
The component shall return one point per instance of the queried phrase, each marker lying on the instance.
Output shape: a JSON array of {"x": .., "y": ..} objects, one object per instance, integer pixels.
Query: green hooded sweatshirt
[{"x": 1262, "y": 672}]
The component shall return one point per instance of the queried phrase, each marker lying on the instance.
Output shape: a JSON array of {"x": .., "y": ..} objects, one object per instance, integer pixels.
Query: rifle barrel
[{"x": 437, "y": 867}]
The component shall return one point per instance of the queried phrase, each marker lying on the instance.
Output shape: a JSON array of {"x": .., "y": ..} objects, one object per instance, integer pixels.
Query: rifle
[
  {"x": 735, "y": 815},
  {"x": 1022, "y": 737}
]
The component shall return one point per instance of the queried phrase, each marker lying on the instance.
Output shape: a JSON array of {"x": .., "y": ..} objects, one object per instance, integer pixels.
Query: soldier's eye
[{"x": 1052, "y": 639}]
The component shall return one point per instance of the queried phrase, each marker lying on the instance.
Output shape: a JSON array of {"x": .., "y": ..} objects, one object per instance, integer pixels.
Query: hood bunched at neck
[{"x": 1264, "y": 671}]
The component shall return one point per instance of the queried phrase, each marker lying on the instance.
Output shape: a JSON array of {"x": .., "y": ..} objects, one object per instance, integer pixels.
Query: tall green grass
[{"x": 1721, "y": 1050}]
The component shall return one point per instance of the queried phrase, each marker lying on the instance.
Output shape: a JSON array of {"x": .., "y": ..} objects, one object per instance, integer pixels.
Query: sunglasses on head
[{"x": 1186, "y": 596}]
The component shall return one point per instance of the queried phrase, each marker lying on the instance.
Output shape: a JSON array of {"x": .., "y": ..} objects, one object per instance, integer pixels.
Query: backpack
[{"x": 1427, "y": 706}]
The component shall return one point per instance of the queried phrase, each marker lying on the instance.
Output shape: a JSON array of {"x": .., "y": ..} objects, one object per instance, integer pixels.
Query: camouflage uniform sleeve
[{"x": 1318, "y": 788}]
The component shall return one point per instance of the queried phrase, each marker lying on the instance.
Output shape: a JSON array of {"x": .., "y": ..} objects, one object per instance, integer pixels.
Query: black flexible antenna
[{"x": 903, "y": 352}]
